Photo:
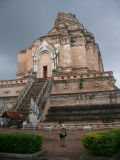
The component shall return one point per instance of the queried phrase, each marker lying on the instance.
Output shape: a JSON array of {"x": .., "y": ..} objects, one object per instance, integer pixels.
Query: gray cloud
[{"x": 23, "y": 21}]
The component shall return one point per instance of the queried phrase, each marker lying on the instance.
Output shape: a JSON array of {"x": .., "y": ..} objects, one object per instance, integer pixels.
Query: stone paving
[{"x": 72, "y": 151}]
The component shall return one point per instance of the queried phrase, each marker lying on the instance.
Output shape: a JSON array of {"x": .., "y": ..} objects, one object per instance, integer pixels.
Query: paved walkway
[{"x": 72, "y": 151}]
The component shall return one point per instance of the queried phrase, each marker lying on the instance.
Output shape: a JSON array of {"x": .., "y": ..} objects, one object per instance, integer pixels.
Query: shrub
[
  {"x": 103, "y": 143},
  {"x": 20, "y": 143}
]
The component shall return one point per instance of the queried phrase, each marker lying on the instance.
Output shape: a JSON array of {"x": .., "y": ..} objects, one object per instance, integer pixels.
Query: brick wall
[{"x": 85, "y": 99}]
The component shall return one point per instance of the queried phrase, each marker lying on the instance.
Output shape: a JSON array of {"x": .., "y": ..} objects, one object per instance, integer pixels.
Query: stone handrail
[
  {"x": 44, "y": 94},
  {"x": 23, "y": 94}
]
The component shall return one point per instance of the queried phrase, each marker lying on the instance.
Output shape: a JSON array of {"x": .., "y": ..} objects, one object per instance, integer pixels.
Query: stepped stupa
[{"x": 68, "y": 60}]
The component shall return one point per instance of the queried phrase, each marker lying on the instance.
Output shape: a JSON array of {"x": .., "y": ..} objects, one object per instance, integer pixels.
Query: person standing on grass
[{"x": 62, "y": 134}]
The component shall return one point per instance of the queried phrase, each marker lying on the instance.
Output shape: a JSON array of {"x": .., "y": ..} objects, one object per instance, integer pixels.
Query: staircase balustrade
[
  {"x": 21, "y": 97},
  {"x": 43, "y": 96},
  {"x": 23, "y": 94}
]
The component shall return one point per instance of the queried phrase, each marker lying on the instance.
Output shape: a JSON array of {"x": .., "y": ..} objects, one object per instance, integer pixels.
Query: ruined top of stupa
[{"x": 68, "y": 48}]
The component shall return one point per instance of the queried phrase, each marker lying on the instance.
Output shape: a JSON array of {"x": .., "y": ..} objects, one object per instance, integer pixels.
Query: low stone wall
[
  {"x": 9, "y": 101},
  {"x": 78, "y": 125},
  {"x": 4, "y": 83},
  {"x": 11, "y": 89},
  {"x": 10, "y": 93}
]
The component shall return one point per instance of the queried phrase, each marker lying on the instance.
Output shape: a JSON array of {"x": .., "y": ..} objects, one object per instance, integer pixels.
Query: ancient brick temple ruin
[
  {"x": 66, "y": 49},
  {"x": 63, "y": 72}
]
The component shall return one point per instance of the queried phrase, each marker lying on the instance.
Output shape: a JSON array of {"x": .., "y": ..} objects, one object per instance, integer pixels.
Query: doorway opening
[{"x": 44, "y": 71}]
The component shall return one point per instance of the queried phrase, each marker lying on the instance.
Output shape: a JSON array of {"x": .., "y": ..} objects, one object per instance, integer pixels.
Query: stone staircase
[
  {"x": 33, "y": 92},
  {"x": 90, "y": 107},
  {"x": 37, "y": 89}
]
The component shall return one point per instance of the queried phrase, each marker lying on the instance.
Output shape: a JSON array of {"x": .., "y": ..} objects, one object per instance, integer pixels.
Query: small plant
[
  {"x": 106, "y": 118},
  {"x": 88, "y": 41},
  {"x": 63, "y": 81},
  {"x": 70, "y": 34},
  {"x": 72, "y": 40},
  {"x": 88, "y": 75},
  {"x": 83, "y": 32},
  {"x": 81, "y": 83},
  {"x": 72, "y": 15},
  {"x": 62, "y": 77},
  {"x": 99, "y": 53},
  {"x": 91, "y": 36},
  {"x": 99, "y": 76},
  {"x": 115, "y": 80}
]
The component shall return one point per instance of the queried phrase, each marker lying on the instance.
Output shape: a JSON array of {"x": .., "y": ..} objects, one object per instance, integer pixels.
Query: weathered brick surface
[
  {"x": 84, "y": 99},
  {"x": 91, "y": 106}
]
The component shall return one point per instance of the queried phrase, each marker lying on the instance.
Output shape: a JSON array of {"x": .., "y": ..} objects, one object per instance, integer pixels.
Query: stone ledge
[
  {"x": 86, "y": 157},
  {"x": 13, "y": 155}
]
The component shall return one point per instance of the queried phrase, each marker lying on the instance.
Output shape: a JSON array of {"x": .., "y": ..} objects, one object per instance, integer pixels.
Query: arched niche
[{"x": 45, "y": 59}]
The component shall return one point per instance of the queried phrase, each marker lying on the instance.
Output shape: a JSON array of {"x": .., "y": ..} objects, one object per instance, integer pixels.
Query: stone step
[
  {"x": 82, "y": 113},
  {"x": 52, "y": 158},
  {"x": 84, "y": 107},
  {"x": 81, "y": 118}
]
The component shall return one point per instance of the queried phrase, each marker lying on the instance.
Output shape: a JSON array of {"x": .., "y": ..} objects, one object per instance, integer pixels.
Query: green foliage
[
  {"x": 91, "y": 36},
  {"x": 71, "y": 39},
  {"x": 81, "y": 83},
  {"x": 115, "y": 80},
  {"x": 63, "y": 81},
  {"x": 82, "y": 31},
  {"x": 99, "y": 53},
  {"x": 70, "y": 34},
  {"x": 87, "y": 41},
  {"x": 20, "y": 143},
  {"x": 73, "y": 15},
  {"x": 103, "y": 143},
  {"x": 106, "y": 117},
  {"x": 62, "y": 77},
  {"x": 99, "y": 76}
]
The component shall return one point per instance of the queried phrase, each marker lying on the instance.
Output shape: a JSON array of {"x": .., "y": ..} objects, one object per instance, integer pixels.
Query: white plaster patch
[
  {"x": 57, "y": 45},
  {"x": 67, "y": 46}
]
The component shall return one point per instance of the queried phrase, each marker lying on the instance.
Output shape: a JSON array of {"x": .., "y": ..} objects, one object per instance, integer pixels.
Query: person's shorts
[{"x": 62, "y": 135}]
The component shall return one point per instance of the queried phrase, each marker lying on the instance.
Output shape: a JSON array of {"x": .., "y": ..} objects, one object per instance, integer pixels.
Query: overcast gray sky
[{"x": 23, "y": 21}]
